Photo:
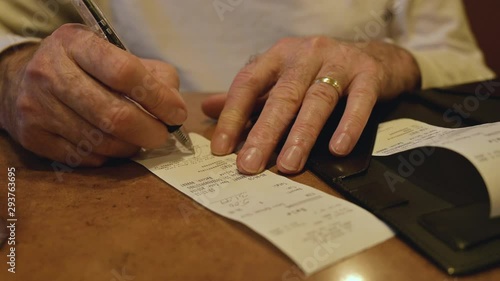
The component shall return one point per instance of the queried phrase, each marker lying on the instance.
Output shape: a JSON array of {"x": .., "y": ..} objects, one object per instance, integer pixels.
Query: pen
[{"x": 96, "y": 20}]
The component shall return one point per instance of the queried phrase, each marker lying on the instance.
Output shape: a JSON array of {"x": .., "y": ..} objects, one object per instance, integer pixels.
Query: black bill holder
[{"x": 439, "y": 205}]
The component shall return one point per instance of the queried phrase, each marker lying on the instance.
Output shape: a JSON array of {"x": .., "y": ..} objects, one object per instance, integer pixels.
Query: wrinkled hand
[
  {"x": 65, "y": 97},
  {"x": 281, "y": 80}
]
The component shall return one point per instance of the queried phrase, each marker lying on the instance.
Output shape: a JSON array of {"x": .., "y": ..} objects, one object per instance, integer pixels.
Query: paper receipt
[{"x": 311, "y": 227}]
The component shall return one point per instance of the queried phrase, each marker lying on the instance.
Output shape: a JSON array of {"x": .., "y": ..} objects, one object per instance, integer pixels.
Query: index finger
[
  {"x": 250, "y": 82},
  {"x": 125, "y": 73}
]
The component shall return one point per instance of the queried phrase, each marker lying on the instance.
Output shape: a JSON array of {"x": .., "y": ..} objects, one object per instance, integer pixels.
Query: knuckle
[
  {"x": 36, "y": 68},
  {"x": 287, "y": 93},
  {"x": 305, "y": 134},
  {"x": 233, "y": 116},
  {"x": 283, "y": 44},
  {"x": 339, "y": 70},
  {"x": 117, "y": 116},
  {"x": 319, "y": 42},
  {"x": 25, "y": 134},
  {"x": 348, "y": 52},
  {"x": 27, "y": 123},
  {"x": 356, "y": 122},
  {"x": 159, "y": 99},
  {"x": 325, "y": 94},
  {"x": 63, "y": 31},
  {"x": 25, "y": 141},
  {"x": 245, "y": 79},
  {"x": 68, "y": 80},
  {"x": 365, "y": 95},
  {"x": 161, "y": 70},
  {"x": 26, "y": 106},
  {"x": 265, "y": 134},
  {"x": 72, "y": 36},
  {"x": 270, "y": 129},
  {"x": 124, "y": 67},
  {"x": 371, "y": 63}
]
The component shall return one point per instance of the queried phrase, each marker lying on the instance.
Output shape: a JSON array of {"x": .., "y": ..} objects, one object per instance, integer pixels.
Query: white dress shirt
[{"x": 209, "y": 41}]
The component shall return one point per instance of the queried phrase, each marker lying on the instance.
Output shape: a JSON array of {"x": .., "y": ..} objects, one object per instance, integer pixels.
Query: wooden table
[{"x": 122, "y": 223}]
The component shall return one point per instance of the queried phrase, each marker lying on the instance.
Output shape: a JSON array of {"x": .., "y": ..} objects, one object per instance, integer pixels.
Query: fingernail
[
  {"x": 341, "y": 147},
  {"x": 251, "y": 161},
  {"x": 177, "y": 116},
  {"x": 292, "y": 159},
  {"x": 221, "y": 144}
]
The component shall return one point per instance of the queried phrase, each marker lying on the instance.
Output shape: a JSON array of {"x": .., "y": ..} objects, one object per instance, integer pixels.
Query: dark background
[{"x": 484, "y": 18}]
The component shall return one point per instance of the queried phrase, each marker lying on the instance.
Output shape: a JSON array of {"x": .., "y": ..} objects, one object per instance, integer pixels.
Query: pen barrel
[{"x": 95, "y": 19}]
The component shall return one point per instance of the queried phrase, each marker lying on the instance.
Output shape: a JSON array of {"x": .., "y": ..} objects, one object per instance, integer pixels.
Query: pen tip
[{"x": 183, "y": 137}]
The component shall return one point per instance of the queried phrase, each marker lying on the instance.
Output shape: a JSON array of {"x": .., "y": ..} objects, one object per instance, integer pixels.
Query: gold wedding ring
[{"x": 330, "y": 81}]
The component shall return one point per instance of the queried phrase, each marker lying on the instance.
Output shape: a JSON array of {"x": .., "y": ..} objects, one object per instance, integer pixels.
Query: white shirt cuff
[
  {"x": 11, "y": 40},
  {"x": 441, "y": 69}
]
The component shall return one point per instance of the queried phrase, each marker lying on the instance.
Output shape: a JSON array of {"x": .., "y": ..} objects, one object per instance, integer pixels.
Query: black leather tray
[{"x": 438, "y": 204}]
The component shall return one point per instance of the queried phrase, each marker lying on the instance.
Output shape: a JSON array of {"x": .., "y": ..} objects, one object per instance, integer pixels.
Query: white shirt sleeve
[
  {"x": 8, "y": 40},
  {"x": 436, "y": 32},
  {"x": 23, "y": 21},
  {"x": 438, "y": 35}
]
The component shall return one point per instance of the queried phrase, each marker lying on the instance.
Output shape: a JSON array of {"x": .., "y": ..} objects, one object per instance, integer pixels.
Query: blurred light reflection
[{"x": 353, "y": 277}]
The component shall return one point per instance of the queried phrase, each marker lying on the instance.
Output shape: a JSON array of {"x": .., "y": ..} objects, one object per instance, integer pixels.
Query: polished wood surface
[{"x": 122, "y": 223}]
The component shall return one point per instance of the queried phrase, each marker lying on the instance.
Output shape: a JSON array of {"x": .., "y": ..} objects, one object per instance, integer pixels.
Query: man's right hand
[{"x": 66, "y": 96}]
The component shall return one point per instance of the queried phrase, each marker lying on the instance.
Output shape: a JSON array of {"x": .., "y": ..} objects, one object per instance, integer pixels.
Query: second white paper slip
[
  {"x": 313, "y": 228},
  {"x": 479, "y": 144}
]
